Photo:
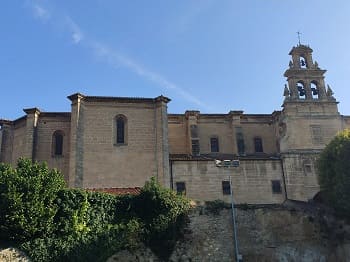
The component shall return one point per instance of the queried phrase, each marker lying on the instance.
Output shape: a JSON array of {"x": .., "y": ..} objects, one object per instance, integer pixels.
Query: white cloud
[
  {"x": 110, "y": 56},
  {"x": 41, "y": 13},
  {"x": 115, "y": 58},
  {"x": 76, "y": 33}
]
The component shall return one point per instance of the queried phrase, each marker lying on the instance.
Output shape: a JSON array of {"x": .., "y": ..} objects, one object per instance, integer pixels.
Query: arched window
[
  {"x": 57, "y": 143},
  {"x": 258, "y": 145},
  {"x": 121, "y": 130},
  {"x": 303, "y": 62},
  {"x": 314, "y": 90},
  {"x": 301, "y": 90}
]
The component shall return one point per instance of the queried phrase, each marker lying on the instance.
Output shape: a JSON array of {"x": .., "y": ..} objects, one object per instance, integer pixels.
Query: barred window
[{"x": 195, "y": 147}]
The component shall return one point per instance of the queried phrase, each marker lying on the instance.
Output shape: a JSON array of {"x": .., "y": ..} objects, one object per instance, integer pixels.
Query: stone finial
[
  {"x": 286, "y": 92},
  {"x": 290, "y": 64},
  {"x": 316, "y": 65},
  {"x": 330, "y": 92}
]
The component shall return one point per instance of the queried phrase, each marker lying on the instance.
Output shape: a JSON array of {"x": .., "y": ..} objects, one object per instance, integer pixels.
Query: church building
[{"x": 107, "y": 143}]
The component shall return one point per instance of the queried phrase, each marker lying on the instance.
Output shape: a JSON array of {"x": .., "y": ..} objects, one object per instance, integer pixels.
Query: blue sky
[{"x": 208, "y": 55}]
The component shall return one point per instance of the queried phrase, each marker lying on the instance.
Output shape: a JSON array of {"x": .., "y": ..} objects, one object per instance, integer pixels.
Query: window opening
[
  {"x": 301, "y": 90},
  {"x": 214, "y": 144},
  {"x": 195, "y": 147},
  {"x": 276, "y": 186},
  {"x": 120, "y": 130},
  {"x": 226, "y": 188},
  {"x": 57, "y": 143},
  {"x": 258, "y": 145},
  {"x": 314, "y": 90},
  {"x": 181, "y": 188},
  {"x": 303, "y": 63}
]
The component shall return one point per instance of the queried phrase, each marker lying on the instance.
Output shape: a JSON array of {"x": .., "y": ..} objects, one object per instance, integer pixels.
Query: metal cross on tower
[{"x": 299, "y": 36}]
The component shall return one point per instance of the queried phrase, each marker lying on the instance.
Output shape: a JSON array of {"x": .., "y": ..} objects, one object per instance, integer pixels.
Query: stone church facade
[{"x": 118, "y": 142}]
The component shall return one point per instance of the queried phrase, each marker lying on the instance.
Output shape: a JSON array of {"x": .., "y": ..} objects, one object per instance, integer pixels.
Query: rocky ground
[{"x": 293, "y": 232}]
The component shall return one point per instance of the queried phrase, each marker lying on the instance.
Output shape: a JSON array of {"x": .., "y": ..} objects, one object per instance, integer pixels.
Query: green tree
[
  {"x": 334, "y": 173},
  {"x": 27, "y": 195}
]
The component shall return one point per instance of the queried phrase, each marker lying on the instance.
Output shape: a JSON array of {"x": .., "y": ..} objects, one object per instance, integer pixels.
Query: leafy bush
[
  {"x": 88, "y": 247},
  {"x": 334, "y": 173},
  {"x": 27, "y": 195},
  {"x": 163, "y": 213},
  {"x": 52, "y": 223}
]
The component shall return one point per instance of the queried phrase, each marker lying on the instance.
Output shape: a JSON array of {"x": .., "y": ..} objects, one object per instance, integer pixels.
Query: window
[
  {"x": 276, "y": 186},
  {"x": 258, "y": 145},
  {"x": 121, "y": 130},
  {"x": 214, "y": 144},
  {"x": 301, "y": 90},
  {"x": 57, "y": 143},
  {"x": 226, "y": 188},
  {"x": 307, "y": 167},
  {"x": 181, "y": 188},
  {"x": 195, "y": 147}
]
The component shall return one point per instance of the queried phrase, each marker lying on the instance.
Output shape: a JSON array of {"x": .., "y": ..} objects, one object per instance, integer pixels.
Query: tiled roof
[{"x": 118, "y": 191}]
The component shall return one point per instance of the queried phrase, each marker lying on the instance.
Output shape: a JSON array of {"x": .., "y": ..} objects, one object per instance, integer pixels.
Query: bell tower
[
  {"x": 308, "y": 121},
  {"x": 305, "y": 78}
]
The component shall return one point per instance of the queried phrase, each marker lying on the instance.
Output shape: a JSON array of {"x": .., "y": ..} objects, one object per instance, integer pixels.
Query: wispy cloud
[
  {"x": 41, "y": 13},
  {"x": 109, "y": 55},
  {"x": 76, "y": 33},
  {"x": 117, "y": 59}
]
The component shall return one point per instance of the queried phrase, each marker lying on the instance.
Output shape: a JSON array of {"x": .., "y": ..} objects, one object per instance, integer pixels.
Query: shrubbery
[
  {"x": 27, "y": 196},
  {"x": 51, "y": 222},
  {"x": 334, "y": 173}
]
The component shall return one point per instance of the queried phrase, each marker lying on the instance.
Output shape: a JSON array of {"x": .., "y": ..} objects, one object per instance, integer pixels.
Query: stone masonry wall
[
  {"x": 47, "y": 125},
  {"x": 251, "y": 180},
  {"x": 107, "y": 164}
]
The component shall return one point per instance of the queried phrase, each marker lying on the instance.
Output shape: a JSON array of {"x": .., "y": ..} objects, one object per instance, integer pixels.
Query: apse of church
[{"x": 120, "y": 142}]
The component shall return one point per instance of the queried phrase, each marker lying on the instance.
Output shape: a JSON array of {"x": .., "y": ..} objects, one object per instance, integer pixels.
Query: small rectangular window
[
  {"x": 226, "y": 189},
  {"x": 181, "y": 188},
  {"x": 308, "y": 169},
  {"x": 195, "y": 147},
  {"x": 258, "y": 145},
  {"x": 214, "y": 144},
  {"x": 276, "y": 186}
]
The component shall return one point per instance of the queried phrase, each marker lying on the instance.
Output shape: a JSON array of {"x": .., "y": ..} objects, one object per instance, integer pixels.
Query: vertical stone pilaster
[
  {"x": 235, "y": 122},
  {"x": 6, "y": 143},
  {"x": 75, "y": 173},
  {"x": 31, "y": 132},
  {"x": 192, "y": 117},
  {"x": 162, "y": 141}
]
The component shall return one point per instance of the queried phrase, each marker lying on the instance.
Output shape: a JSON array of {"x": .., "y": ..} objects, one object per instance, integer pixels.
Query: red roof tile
[{"x": 118, "y": 191}]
